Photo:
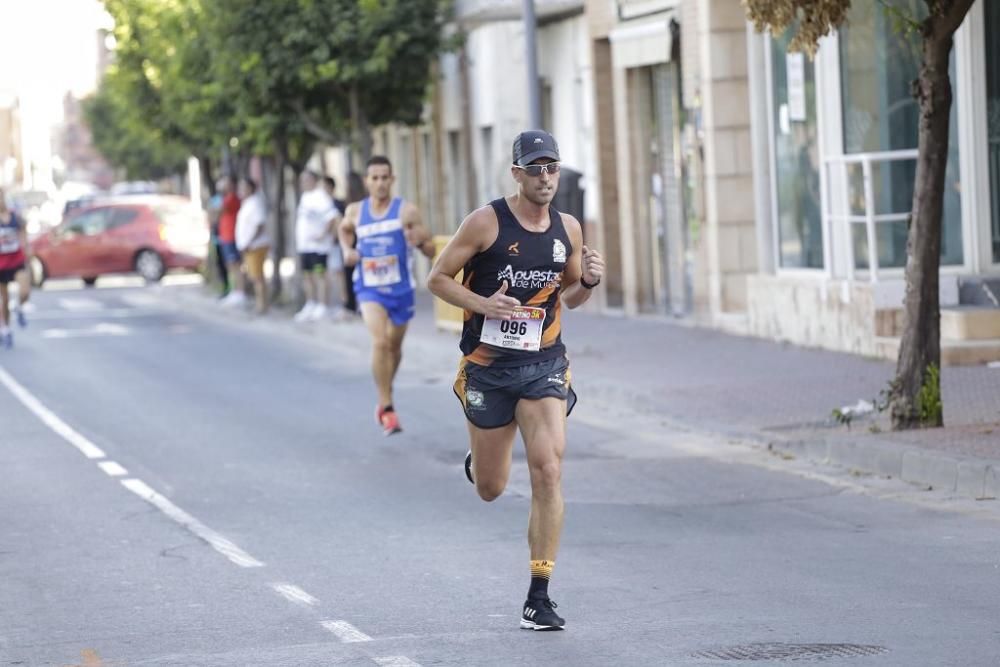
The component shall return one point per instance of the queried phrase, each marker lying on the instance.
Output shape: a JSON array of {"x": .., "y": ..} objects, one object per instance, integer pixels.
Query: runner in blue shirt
[{"x": 385, "y": 229}]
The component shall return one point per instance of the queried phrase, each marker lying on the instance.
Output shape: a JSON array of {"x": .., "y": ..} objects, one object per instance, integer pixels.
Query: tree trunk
[
  {"x": 471, "y": 175},
  {"x": 361, "y": 134},
  {"x": 280, "y": 235},
  {"x": 916, "y": 391},
  {"x": 207, "y": 177}
]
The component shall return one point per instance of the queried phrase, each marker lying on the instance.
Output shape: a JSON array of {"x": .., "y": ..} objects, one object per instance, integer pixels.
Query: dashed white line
[
  {"x": 345, "y": 632},
  {"x": 86, "y": 447},
  {"x": 81, "y": 304},
  {"x": 216, "y": 541},
  {"x": 101, "y": 329},
  {"x": 395, "y": 661},
  {"x": 113, "y": 468},
  {"x": 293, "y": 593}
]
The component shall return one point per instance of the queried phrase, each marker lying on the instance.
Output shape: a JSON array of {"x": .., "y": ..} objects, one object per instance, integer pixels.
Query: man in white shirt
[
  {"x": 315, "y": 229},
  {"x": 252, "y": 238}
]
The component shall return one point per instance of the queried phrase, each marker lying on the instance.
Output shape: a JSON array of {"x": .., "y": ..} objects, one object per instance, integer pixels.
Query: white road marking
[
  {"x": 395, "y": 661},
  {"x": 113, "y": 468},
  {"x": 345, "y": 632},
  {"x": 86, "y": 447},
  {"x": 115, "y": 313},
  {"x": 80, "y": 304},
  {"x": 293, "y": 593},
  {"x": 102, "y": 329},
  {"x": 140, "y": 299},
  {"x": 216, "y": 541}
]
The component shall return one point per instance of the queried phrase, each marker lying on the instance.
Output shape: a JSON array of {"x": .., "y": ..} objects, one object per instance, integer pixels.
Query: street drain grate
[{"x": 790, "y": 652}]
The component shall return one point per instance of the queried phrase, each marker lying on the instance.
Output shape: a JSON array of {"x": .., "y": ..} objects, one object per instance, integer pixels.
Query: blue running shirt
[{"x": 385, "y": 256}]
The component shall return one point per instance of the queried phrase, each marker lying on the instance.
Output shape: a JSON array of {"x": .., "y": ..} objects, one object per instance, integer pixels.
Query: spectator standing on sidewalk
[
  {"x": 214, "y": 211},
  {"x": 386, "y": 230},
  {"x": 227, "y": 243},
  {"x": 522, "y": 259},
  {"x": 252, "y": 239},
  {"x": 14, "y": 256},
  {"x": 343, "y": 276},
  {"x": 315, "y": 225}
]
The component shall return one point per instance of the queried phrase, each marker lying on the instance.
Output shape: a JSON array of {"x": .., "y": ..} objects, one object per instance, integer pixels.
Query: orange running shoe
[{"x": 388, "y": 420}]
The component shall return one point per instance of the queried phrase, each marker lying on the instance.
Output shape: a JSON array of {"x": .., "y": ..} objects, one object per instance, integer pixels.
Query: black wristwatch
[{"x": 586, "y": 285}]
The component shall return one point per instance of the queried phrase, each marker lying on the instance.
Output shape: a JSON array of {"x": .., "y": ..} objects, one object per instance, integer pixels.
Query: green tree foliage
[
  {"x": 321, "y": 66},
  {"x": 278, "y": 74},
  {"x": 159, "y": 103},
  {"x": 125, "y": 135}
]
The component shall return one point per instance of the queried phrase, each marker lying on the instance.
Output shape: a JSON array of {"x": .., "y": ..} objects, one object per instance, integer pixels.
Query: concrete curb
[{"x": 967, "y": 477}]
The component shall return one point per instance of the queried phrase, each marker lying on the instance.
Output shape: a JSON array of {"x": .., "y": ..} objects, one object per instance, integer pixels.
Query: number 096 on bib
[{"x": 523, "y": 331}]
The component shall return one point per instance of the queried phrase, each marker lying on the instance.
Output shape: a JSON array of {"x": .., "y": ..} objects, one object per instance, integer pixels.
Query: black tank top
[{"x": 532, "y": 263}]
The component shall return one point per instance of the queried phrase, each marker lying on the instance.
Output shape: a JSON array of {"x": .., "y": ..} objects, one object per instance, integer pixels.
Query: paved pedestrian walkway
[{"x": 750, "y": 388}]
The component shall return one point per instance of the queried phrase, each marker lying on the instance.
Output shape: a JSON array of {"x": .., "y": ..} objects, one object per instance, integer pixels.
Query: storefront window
[
  {"x": 796, "y": 158},
  {"x": 877, "y": 65}
]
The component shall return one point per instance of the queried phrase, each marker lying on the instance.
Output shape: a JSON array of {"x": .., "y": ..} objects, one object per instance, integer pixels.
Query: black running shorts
[
  {"x": 9, "y": 275},
  {"x": 313, "y": 262},
  {"x": 489, "y": 395}
]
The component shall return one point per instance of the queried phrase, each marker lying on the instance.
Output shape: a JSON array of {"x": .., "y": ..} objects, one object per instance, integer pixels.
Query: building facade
[
  {"x": 11, "y": 156},
  {"x": 727, "y": 181},
  {"x": 834, "y": 157}
]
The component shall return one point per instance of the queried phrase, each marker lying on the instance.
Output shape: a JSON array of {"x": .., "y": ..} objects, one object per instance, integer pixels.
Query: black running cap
[{"x": 532, "y": 145}]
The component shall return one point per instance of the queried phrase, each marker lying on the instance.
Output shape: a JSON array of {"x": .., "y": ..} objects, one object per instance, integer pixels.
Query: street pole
[{"x": 534, "y": 103}]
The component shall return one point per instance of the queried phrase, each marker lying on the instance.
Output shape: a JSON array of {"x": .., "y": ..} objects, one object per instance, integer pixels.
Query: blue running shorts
[{"x": 400, "y": 308}]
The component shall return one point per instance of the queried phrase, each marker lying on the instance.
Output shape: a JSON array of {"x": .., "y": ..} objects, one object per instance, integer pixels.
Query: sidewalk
[{"x": 747, "y": 388}]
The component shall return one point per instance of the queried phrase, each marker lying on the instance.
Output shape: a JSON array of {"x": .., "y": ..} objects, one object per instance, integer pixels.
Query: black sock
[{"x": 541, "y": 572}]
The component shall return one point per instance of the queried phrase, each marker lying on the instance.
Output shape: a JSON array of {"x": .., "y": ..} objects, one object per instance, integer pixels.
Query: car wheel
[
  {"x": 90, "y": 281},
  {"x": 37, "y": 272},
  {"x": 150, "y": 266}
]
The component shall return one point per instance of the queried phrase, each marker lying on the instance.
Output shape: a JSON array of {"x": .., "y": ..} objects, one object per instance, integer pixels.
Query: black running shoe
[
  {"x": 468, "y": 466},
  {"x": 541, "y": 615}
]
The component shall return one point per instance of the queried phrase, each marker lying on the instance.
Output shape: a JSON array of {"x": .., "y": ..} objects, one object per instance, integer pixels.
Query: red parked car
[{"x": 146, "y": 234}]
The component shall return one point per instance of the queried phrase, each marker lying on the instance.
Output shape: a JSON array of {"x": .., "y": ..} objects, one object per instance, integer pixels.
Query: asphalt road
[{"x": 257, "y": 516}]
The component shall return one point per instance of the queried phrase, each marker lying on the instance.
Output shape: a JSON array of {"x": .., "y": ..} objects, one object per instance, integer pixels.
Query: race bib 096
[{"x": 523, "y": 331}]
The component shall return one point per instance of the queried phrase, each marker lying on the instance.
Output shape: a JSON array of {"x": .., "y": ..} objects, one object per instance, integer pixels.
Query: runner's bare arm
[
  {"x": 331, "y": 226},
  {"x": 347, "y": 236},
  {"x": 22, "y": 237},
  {"x": 417, "y": 235},
  {"x": 477, "y": 233},
  {"x": 584, "y": 262}
]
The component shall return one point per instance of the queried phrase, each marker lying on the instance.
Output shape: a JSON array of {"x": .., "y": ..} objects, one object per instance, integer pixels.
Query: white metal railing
[
  {"x": 870, "y": 218},
  {"x": 486, "y": 11}
]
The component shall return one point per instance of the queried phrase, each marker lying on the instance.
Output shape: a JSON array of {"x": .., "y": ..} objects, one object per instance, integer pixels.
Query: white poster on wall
[{"x": 795, "y": 67}]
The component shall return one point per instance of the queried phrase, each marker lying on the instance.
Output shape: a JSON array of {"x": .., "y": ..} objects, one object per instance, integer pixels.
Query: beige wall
[
  {"x": 814, "y": 312},
  {"x": 730, "y": 234},
  {"x": 601, "y": 17}
]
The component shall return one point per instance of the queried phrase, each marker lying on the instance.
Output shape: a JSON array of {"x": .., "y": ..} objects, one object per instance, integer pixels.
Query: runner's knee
[
  {"x": 489, "y": 489},
  {"x": 382, "y": 346},
  {"x": 545, "y": 474}
]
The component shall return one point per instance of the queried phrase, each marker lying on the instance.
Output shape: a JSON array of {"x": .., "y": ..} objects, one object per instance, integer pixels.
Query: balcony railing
[
  {"x": 471, "y": 12},
  {"x": 841, "y": 220}
]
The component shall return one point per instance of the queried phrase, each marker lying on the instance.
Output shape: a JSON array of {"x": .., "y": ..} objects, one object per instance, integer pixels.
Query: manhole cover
[{"x": 790, "y": 652}]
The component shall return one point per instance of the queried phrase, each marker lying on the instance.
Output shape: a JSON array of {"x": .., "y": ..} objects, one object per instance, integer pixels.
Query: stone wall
[{"x": 814, "y": 312}]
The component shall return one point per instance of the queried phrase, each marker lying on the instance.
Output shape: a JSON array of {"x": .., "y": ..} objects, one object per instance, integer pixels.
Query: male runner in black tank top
[{"x": 521, "y": 260}]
